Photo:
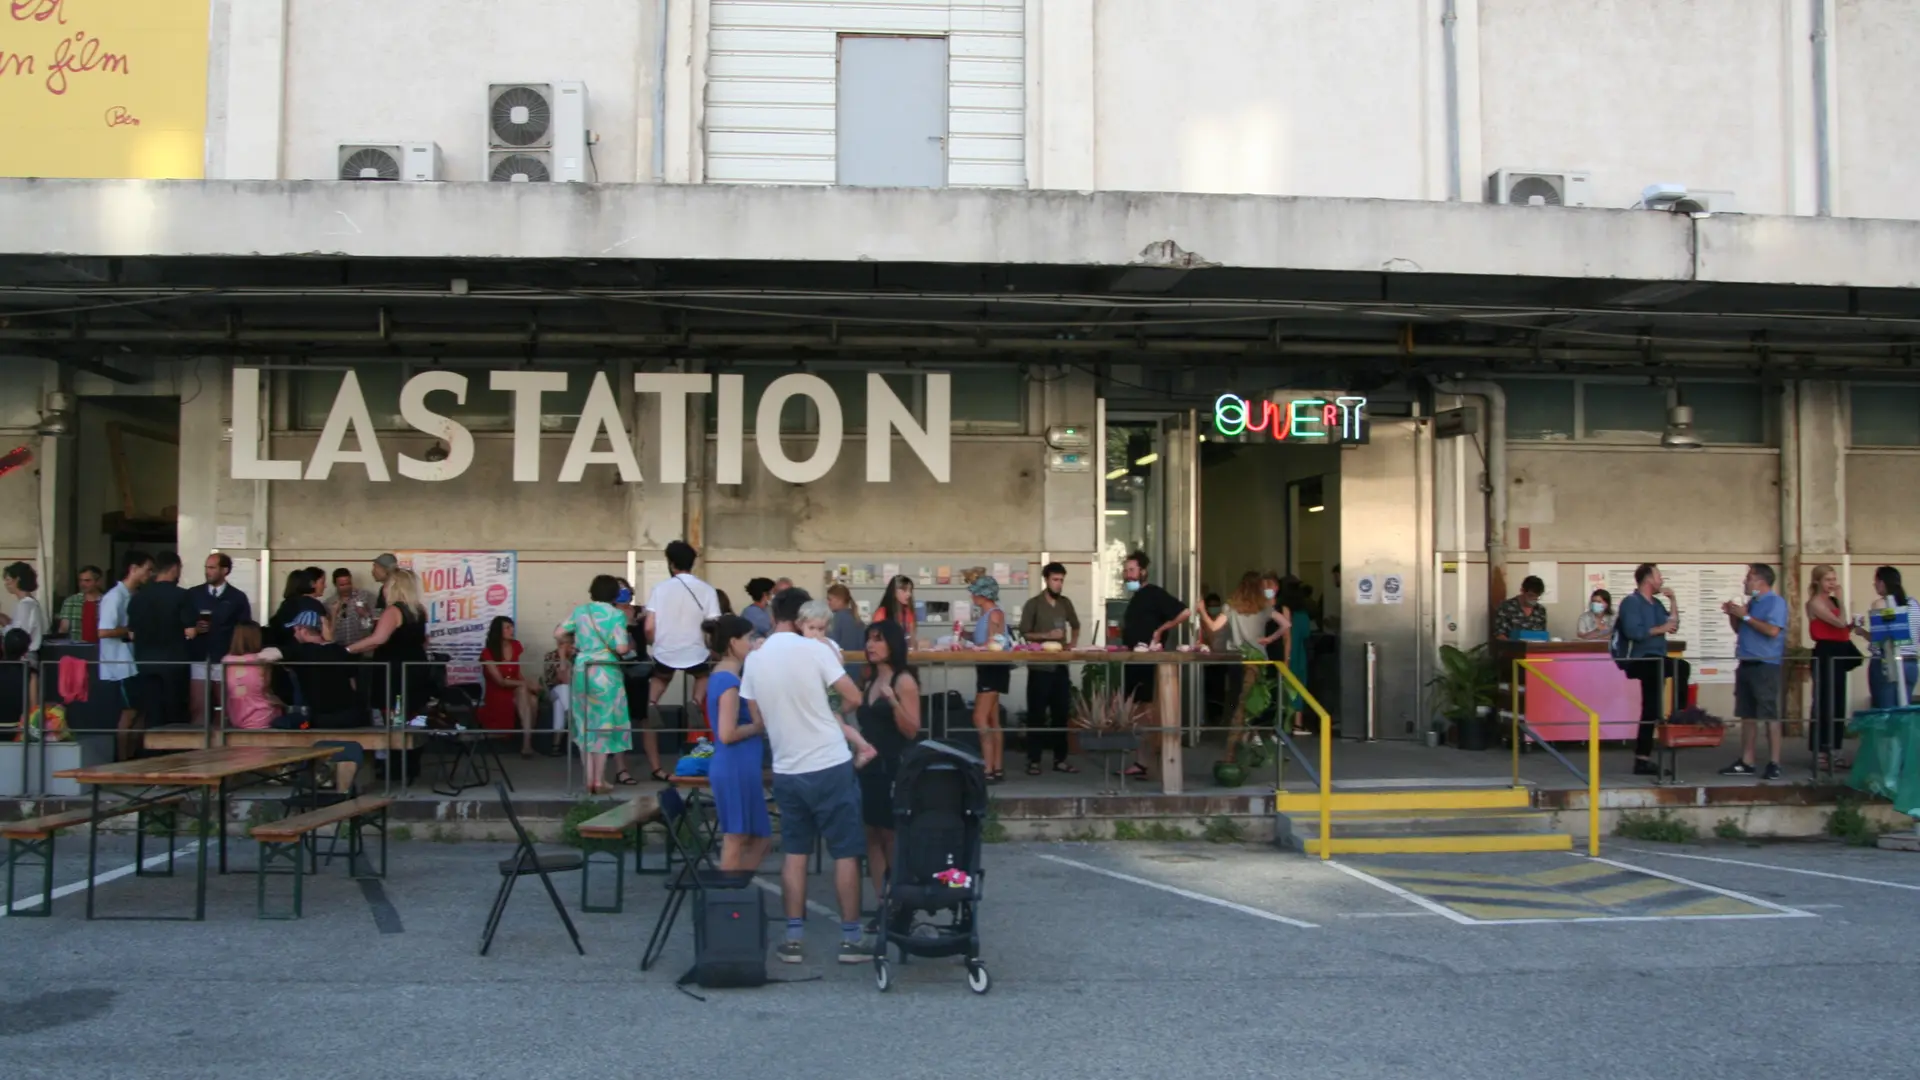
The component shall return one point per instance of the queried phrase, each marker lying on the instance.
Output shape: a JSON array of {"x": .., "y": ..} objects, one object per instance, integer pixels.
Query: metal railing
[{"x": 1592, "y": 777}]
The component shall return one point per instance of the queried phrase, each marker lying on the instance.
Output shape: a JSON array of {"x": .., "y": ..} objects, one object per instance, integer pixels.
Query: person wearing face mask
[
  {"x": 1152, "y": 612},
  {"x": 1596, "y": 623},
  {"x": 1050, "y": 617}
]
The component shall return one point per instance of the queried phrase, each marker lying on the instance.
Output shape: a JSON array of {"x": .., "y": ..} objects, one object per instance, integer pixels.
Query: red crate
[{"x": 1688, "y": 736}]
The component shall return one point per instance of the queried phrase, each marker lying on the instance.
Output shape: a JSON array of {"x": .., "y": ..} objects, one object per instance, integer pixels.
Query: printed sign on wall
[
  {"x": 463, "y": 591},
  {"x": 113, "y": 89}
]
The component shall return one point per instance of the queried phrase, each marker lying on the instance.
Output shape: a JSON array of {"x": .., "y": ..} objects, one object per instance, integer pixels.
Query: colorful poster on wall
[
  {"x": 463, "y": 591},
  {"x": 113, "y": 89},
  {"x": 1699, "y": 589}
]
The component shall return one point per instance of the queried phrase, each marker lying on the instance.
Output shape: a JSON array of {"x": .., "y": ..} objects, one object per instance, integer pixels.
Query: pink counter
[{"x": 1586, "y": 671}]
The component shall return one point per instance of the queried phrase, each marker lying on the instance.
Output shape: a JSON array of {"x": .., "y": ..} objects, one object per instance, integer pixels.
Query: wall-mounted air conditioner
[
  {"x": 1539, "y": 187},
  {"x": 389, "y": 161},
  {"x": 1681, "y": 199},
  {"x": 537, "y": 132}
]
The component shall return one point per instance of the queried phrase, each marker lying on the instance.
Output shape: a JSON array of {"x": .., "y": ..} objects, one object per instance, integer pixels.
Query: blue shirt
[
  {"x": 762, "y": 621},
  {"x": 116, "y": 654},
  {"x": 1638, "y": 617},
  {"x": 1771, "y": 608}
]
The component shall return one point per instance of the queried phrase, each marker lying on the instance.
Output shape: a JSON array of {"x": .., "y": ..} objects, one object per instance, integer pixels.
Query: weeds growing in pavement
[
  {"x": 1851, "y": 825},
  {"x": 993, "y": 832},
  {"x": 577, "y": 813},
  {"x": 1127, "y": 830},
  {"x": 1729, "y": 829},
  {"x": 1661, "y": 828},
  {"x": 1223, "y": 830},
  {"x": 400, "y": 833}
]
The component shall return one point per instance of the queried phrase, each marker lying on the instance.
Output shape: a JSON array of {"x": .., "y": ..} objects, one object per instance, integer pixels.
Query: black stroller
[{"x": 939, "y": 808}]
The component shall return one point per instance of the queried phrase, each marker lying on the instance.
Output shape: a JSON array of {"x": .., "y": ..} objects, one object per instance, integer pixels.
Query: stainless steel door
[{"x": 1382, "y": 580}]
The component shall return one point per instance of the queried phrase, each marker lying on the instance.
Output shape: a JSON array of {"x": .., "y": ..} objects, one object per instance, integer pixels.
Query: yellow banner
[{"x": 103, "y": 88}]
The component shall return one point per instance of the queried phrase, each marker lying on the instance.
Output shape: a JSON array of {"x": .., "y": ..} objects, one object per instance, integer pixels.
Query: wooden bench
[
  {"x": 174, "y": 737},
  {"x": 611, "y": 828},
  {"x": 30, "y": 843},
  {"x": 287, "y": 843}
]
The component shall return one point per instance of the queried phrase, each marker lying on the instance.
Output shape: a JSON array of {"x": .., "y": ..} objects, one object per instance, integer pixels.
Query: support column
[
  {"x": 251, "y": 43},
  {"x": 1062, "y": 117}
]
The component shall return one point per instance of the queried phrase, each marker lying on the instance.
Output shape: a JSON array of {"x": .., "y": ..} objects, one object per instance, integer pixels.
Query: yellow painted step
[
  {"x": 1308, "y": 802},
  {"x": 1444, "y": 845}
]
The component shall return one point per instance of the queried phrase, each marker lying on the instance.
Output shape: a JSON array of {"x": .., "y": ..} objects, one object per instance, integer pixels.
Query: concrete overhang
[{"x": 126, "y": 218}]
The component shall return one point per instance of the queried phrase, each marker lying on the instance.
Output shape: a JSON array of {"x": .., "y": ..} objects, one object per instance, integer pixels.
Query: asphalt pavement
[{"x": 1108, "y": 960}]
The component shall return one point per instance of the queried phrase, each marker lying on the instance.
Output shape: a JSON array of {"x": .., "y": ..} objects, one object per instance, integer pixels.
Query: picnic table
[
  {"x": 159, "y": 781},
  {"x": 174, "y": 737}
]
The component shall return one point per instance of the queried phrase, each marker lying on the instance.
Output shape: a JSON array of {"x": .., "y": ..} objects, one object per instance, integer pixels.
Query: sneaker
[
  {"x": 1738, "y": 768},
  {"x": 855, "y": 952},
  {"x": 1643, "y": 767},
  {"x": 790, "y": 952},
  {"x": 1772, "y": 773}
]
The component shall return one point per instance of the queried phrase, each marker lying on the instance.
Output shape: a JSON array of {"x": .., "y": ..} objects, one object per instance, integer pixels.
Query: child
[{"x": 815, "y": 617}]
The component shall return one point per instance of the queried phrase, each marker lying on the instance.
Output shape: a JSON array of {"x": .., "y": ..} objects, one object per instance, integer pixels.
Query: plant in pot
[
  {"x": 1107, "y": 719},
  {"x": 1253, "y": 753},
  {"x": 1465, "y": 691}
]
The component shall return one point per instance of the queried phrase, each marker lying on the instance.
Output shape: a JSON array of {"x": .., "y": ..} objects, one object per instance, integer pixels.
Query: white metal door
[{"x": 890, "y": 118}]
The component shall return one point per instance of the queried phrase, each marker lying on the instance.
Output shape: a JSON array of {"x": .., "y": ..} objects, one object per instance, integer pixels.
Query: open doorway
[
  {"x": 125, "y": 492},
  {"x": 1274, "y": 507}
]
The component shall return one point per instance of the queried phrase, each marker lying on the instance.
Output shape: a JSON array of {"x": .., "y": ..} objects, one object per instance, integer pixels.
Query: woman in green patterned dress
[{"x": 601, "y": 724}]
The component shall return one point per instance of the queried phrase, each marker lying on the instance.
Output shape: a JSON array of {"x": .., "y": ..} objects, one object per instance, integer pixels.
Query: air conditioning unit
[
  {"x": 1539, "y": 187},
  {"x": 537, "y": 132},
  {"x": 1681, "y": 199},
  {"x": 390, "y": 161}
]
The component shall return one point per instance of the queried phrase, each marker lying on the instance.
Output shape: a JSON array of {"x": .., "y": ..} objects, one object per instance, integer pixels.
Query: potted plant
[
  {"x": 1107, "y": 720},
  {"x": 1465, "y": 691}
]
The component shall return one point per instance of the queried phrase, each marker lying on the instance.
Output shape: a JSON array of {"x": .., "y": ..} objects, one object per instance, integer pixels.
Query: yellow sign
[{"x": 103, "y": 88}]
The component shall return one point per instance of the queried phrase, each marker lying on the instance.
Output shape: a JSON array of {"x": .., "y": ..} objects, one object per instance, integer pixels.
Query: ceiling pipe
[{"x": 1493, "y": 403}]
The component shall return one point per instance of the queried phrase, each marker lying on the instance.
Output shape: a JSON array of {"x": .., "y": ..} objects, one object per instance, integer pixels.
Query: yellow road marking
[
  {"x": 1568, "y": 875},
  {"x": 1715, "y": 905},
  {"x": 1643, "y": 889},
  {"x": 1446, "y": 893},
  {"x": 1461, "y": 876},
  {"x": 1497, "y": 912}
]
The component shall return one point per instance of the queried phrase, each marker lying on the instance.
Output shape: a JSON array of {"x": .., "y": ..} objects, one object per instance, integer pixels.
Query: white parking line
[
  {"x": 1743, "y": 897},
  {"x": 1186, "y": 893},
  {"x": 101, "y": 879},
  {"x": 1405, "y": 894},
  {"x": 1782, "y": 869}
]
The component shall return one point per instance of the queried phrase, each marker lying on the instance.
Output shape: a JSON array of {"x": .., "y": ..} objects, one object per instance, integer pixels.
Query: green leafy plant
[
  {"x": 1266, "y": 680},
  {"x": 399, "y": 833},
  {"x": 583, "y": 810},
  {"x": 1729, "y": 829},
  {"x": 1466, "y": 682},
  {"x": 1661, "y": 828},
  {"x": 1162, "y": 831},
  {"x": 1222, "y": 830},
  {"x": 993, "y": 832},
  {"x": 1852, "y": 825},
  {"x": 1126, "y": 830}
]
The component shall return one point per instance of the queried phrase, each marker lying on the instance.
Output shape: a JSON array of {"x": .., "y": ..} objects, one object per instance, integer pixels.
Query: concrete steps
[{"x": 1461, "y": 820}]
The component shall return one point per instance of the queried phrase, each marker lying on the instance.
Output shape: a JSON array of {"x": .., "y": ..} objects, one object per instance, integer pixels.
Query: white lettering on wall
[
  {"x": 526, "y": 388},
  {"x": 602, "y": 417},
  {"x": 602, "y": 413},
  {"x": 887, "y": 414},
  {"x": 247, "y": 464},
  {"x": 458, "y": 440},
  {"x": 673, "y": 390},
  {"x": 766, "y": 428},
  {"x": 349, "y": 412},
  {"x": 730, "y": 417}
]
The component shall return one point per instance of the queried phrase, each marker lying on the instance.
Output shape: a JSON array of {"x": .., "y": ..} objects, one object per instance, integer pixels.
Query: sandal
[
  {"x": 1136, "y": 771},
  {"x": 624, "y": 778},
  {"x": 1033, "y": 768},
  {"x": 1065, "y": 767},
  {"x": 997, "y": 776},
  {"x": 657, "y": 774}
]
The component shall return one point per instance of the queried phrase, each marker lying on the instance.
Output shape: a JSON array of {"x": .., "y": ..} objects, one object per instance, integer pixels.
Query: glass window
[
  {"x": 1727, "y": 413},
  {"x": 486, "y": 409},
  {"x": 990, "y": 399},
  {"x": 1631, "y": 410},
  {"x": 1539, "y": 408},
  {"x": 1886, "y": 415}
]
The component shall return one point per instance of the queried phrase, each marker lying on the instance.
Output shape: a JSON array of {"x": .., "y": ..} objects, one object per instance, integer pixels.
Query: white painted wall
[
  {"x": 1269, "y": 97},
  {"x": 1876, "y": 47},
  {"x": 405, "y": 70}
]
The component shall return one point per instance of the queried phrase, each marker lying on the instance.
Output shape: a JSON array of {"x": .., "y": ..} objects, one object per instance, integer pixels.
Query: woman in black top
[
  {"x": 399, "y": 640},
  {"x": 889, "y": 718},
  {"x": 294, "y": 599}
]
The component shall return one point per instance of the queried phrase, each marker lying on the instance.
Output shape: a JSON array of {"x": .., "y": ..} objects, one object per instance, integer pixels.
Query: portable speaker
[{"x": 730, "y": 937}]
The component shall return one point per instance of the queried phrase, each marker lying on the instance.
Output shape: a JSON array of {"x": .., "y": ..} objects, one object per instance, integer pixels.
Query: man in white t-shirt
[
  {"x": 786, "y": 683},
  {"x": 675, "y": 610},
  {"x": 117, "y": 669}
]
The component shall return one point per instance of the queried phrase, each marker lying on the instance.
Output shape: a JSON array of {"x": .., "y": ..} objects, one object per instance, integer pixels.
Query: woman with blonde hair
[
  {"x": 1834, "y": 654},
  {"x": 1247, "y": 615},
  {"x": 399, "y": 640}
]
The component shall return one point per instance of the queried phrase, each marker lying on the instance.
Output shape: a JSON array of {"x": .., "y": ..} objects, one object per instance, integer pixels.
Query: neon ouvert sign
[{"x": 1302, "y": 418}]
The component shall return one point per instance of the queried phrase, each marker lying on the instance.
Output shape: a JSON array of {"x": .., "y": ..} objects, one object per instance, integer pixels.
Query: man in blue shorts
[{"x": 786, "y": 683}]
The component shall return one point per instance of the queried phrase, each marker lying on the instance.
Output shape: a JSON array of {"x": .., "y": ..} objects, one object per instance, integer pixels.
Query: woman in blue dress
[{"x": 739, "y": 752}]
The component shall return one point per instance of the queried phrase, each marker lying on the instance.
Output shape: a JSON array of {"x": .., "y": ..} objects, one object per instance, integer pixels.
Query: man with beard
[{"x": 1050, "y": 617}]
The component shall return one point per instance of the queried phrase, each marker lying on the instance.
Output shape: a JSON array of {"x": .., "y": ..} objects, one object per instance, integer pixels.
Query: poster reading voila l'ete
[
  {"x": 103, "y": 88},
  {"x": 463, "y": 592}
]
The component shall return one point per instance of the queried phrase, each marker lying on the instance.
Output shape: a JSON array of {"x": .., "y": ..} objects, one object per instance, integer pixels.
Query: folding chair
[
  {"x": 687, "y": 836},
  {"x": 527, "y": 861}
]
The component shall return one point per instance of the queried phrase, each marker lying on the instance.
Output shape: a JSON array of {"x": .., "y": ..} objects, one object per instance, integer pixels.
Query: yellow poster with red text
[{"x": 103, "y": 88}]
